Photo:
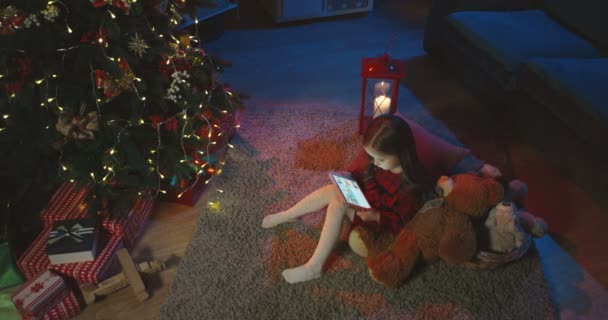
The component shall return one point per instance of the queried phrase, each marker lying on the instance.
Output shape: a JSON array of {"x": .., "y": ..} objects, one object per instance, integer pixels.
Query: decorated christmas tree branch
[{"x": 107, "y": 93}]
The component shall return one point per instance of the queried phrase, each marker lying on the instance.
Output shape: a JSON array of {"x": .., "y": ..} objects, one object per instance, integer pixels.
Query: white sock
[
  {"x": 302, "y": 273},
  {"x": 272, "y": 220}
]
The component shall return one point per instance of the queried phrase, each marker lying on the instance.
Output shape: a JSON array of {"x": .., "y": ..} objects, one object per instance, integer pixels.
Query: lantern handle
[{"x": 391, "y": 45}]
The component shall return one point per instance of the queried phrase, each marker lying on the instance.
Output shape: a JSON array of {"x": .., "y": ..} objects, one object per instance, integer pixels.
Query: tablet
[{"x": 350, "y": 190}]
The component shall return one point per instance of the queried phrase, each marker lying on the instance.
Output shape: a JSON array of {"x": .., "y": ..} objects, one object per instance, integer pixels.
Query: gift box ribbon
[{"x": 76, "y": 233}]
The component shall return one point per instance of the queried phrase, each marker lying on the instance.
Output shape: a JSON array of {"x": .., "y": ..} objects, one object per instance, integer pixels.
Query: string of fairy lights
[{"x": 154, "y": 159}]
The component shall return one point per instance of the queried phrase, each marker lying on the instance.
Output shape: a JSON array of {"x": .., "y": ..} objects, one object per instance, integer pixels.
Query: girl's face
[{"x": 384, "y": 161}]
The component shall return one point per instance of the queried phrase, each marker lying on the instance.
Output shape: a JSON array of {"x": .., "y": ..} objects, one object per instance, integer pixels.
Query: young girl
[{"x": 394, "y": 183}]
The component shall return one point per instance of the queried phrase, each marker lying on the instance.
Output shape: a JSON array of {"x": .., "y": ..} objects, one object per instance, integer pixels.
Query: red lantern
[{"x": 380, "y": 90}]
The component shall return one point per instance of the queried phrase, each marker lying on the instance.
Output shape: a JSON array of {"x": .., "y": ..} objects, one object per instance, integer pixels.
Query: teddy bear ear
[{"x": 445, "y": 184}]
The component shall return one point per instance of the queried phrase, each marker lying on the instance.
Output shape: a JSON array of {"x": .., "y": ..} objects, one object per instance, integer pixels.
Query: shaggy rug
[{"x": 232, "y": 267}]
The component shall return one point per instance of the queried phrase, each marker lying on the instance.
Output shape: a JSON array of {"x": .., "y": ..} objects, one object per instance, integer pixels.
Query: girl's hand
[{"x": 369, "y": 215}]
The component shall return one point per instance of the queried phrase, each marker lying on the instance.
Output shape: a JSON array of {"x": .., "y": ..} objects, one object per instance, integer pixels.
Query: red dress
[{"x": 396, "y": 206}]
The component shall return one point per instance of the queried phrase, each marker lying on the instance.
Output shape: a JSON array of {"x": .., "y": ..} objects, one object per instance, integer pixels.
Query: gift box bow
[{"x": 76, "y": 233}]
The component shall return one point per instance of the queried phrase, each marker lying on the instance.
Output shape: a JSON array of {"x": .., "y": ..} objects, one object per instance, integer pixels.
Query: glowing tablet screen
[{"x": 351, "y": 191}]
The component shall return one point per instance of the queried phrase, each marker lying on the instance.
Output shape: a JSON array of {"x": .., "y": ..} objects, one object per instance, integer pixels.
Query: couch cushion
[
  {"x": 587, "y": 17},
  {"x": 574, "y": 90},
  {"x": 502, "y": 40}
]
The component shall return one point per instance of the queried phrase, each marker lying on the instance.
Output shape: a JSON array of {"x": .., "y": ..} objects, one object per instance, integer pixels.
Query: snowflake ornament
[{"x": 138, "y": 45}]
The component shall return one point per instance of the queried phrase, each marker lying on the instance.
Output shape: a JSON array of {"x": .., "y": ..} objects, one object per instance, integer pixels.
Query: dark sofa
[{"x": 541, "y": 64}]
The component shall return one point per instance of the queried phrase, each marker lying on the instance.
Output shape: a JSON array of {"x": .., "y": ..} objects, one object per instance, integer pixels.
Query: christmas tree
[{"x": 105, "y": 94}]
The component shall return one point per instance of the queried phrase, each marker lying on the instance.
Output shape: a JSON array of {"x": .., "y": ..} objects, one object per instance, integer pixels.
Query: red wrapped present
[
  {"x": 104, "y": 266},
  {"x": 35, "y": 260},
  {"x": 133, "y": 225},
  {"x": 46, "y": 296},
  {"x": 187, "y": 197},
  {"x": 137, "y": 222},
  {"x": 69, "y": 203},
  {"x": 66, "y": 309}
]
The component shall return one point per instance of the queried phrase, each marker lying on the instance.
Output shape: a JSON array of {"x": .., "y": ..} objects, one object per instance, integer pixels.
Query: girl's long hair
[{"x": 390, "y": 134}]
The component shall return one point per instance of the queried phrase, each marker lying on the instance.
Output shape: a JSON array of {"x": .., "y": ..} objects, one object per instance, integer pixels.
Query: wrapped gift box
[
  {"x": 137, "y": 222},
  {"x": 46, "y": 296},
  {"x": 35, "y": 260},
  {"x": 67, "y": 308},
  {"x": 73, "y": 240},
  {"x": 69, "y": 203},
  {"x": 188, "y": 197},
  {"x": 104, "y": 266}
]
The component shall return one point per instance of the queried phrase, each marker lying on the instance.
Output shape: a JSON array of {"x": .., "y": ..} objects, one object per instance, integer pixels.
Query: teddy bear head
[
  {"x": 469, "y": 193},
  {"x": 506, "y": 213}
]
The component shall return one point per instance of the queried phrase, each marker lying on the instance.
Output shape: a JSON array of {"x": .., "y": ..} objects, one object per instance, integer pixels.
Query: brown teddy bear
[{"x": 441, "y": 229}]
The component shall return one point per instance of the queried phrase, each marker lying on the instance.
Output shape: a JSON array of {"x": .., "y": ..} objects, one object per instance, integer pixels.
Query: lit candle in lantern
[
  {"x": 382, "y": 105},
  {"x": 382, "y": 88}
]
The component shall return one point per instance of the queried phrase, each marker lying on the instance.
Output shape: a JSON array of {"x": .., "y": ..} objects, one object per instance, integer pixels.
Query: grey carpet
[{"x": 232, "y": 267}]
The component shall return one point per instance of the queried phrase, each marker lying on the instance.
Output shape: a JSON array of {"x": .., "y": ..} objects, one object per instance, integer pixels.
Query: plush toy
[
  {"x": 441, "y": 229},
  {"x": 505, "y": 232},
  {"x": 507, "y": 225}
]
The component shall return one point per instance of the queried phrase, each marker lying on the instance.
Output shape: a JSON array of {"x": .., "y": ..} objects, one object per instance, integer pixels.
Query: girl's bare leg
[
  {"x": 317, "y": 200},
  {"x": 336, "y": 211}
]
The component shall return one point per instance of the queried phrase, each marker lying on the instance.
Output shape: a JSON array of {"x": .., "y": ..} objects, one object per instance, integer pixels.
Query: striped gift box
[
  {"x": 46, "y": 294},
  {"x": 69, "y": 203},
  {"x": 35, "y": 260},
  {"x": 66, "y": 309},
  {"x": 137, "y": 223},
  {"x": 104, "y": 266},
  {"x": 134, "y": 224}
]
